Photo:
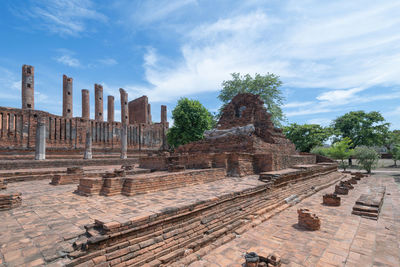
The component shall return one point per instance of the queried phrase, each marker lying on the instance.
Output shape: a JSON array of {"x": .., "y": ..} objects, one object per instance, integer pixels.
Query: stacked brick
[
  {"x": 331, "y": 200},
  {"x": 3, "y": 185},
  {"x": 112, "y": 186},
  {"x": 10, "y": 201},
  {"x": 161, "y": 239},
  {"x": 89, "y": 186},
  {"x": 308, "y": 220},
  {"x": 164, "y": 181},
  {"x": 71, "y": 177}
]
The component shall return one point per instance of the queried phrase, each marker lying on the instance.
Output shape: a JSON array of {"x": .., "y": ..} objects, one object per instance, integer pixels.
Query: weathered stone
[
  {"x": 40, "y": 148},
  {"x": 308, "y": 220},
  {"x": 331, "y": 200}
]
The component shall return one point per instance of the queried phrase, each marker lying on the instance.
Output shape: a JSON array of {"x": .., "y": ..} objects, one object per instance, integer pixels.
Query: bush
[
  {"x": 341, "y": 151},
  {"x": 395, "y": 153},
  {"x": 320, "y": 150},
  {"x": 367, "y": 157}
]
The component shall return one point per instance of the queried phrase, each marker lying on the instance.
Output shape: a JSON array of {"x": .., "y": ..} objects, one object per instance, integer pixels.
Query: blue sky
[{"x": 332, "y": 56}]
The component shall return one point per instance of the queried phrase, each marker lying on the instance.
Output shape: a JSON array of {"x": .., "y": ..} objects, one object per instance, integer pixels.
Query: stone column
[
  {"x": 110, "y": 108},
  {"x": 98, "y": 102},
  {"x": 40, "y": 144},
  {"x": 163, "y": 114},
  {"x": 27, "y": 87},
  {"x": 85, "y": 104},
  {"x": 149, "y": 114},
  {"x": 124, "y": 107},
  {"x": 67, "y": 96},
  {"x": 124, "y": 141},
  {"x": 88, "y": 145}
]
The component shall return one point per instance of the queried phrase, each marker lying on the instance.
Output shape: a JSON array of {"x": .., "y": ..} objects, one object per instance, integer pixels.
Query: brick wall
[{"x": 18, "y": 131}]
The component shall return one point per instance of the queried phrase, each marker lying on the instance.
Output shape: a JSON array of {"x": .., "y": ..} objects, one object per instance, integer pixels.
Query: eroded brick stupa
[{"x": 245, "y": 142}]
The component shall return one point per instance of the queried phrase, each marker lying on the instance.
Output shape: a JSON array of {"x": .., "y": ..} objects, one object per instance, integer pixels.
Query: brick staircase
[{"x": 169, "y": 237}]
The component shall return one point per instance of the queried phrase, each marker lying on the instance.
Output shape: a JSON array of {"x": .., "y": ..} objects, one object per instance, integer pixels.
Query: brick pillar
[
  {"x": 40, "y": 145},
  {"x": 124, "y": 106},
  {"x": 67, "y": 96},
  {"x": 124, "y": 141},
  {"x": 85, "y": 104},
  {"x": 27, "y": 87},
  {"x": 149, "y": 114},
  {"x": 163, "y": 114},
  {"x": 98, "y": 102},
  {"x": 88, "y": 145},
  {"x": 110, "y": 108}
]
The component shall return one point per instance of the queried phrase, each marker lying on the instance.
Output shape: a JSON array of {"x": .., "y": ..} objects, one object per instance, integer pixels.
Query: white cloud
[
  {"x": 150, "y": 11},
  {"x": 108, "y": 61},
  {"x": 343, "y": 47},
  {"x": 68, "y": 60},
  {"x": 63, "y": 17},
  {"x": 298, "y": 104}
]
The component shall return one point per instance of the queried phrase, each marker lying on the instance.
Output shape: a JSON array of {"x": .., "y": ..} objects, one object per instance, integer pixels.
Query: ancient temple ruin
[
  {"x": 68, "y": 132},
  {"x": 244, "y": 142}
]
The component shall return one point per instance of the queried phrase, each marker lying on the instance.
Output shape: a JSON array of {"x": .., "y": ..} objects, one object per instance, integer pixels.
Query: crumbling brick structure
[
  {"x": 28, "y": 87},
  {"x": 18, "y": 126},
  {"x": 67, "y": 97},
  {"x": 331, "y": 200},
  {"x": 10, "y": 201},
  {"x": 244, "y": 142},
  {"x": 308, "y": 220},
  {"x": 139, "y": 110}
]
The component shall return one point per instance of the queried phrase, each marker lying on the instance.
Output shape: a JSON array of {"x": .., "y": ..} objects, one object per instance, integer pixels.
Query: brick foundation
[
  {"x": 331, "y": 200},
  {"x": 163, "y": 238},
  {"x": 10, "y": 201},
  {"x": 308, "y": 220}
]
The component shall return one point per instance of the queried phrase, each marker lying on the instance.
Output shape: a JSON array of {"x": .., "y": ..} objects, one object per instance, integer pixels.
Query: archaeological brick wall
[
  {"x": 18, "y": 131},
  {"x": 139, "y": 110},
  {"x": 66, "y": 132}
]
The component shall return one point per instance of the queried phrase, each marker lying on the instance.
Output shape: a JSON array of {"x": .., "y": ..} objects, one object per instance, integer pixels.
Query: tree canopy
[
  {"x": 191, "y": 119},
  {"x": 266, "y": 86},
  {"x": 367, "y": 157},
  {"x": 368, "y": 129},
  {"x": 307, "y": 136}
]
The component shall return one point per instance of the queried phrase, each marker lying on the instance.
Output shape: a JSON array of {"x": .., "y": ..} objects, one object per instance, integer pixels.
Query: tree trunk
[{"x": 350, "y": 161}]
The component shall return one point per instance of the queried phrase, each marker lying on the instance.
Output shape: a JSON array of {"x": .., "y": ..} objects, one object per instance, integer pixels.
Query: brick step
[{"x": 166, "y": 239}]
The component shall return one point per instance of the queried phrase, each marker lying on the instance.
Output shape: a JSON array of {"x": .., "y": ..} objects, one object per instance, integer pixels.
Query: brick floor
[
  {"x": 51, "y": 216},
  {"x": 344, "y": 239}
]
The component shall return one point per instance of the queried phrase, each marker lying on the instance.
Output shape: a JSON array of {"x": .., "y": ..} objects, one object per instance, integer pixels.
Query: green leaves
[
  {"x": 362, "y": 128},
  {"x": 307, "y": 136},
  {"x": 367, "y": 157},
  {"x": 191, "y": 119},
  {"x": 266, "y": 86}
]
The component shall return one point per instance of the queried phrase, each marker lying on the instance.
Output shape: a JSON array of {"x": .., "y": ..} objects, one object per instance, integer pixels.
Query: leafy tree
[
  {"x": 367, "y": 157},
  {"x": 191, "y": 119},
  {"x": 364, "y": 129},
  {"x": 267, "y": 86},
  {"x": 341, "y": 151},
  {"x": 391, "y": 140},
  {"x": 307, "y": 136},
  {"x": 320, "y": 150},
  {"x": 395, "y": 151}
]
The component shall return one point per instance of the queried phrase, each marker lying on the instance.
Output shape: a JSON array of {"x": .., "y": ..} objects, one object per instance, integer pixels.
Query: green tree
[
  {"x": 367, "y": 157},
  {"x": 267, "y": 86},
  {"x": 191, "y": 119},
  {"x": 364, "y": 129},
  {"x": 391, "y": 140},
  {"x": 395, "y": 151},
  {"x": 341, "y": 151},
  {"x": 307, "y": 136}
]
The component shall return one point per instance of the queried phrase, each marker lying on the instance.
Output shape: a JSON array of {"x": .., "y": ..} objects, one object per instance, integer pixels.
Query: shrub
[
  {"x": 367, "y": 157},
  {"x": 320, "y": 150},
  {"x": 341, "y": 151}
]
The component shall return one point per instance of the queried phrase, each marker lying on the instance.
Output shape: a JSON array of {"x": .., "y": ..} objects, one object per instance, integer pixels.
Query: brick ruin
[
  {"x": 245, "y": 142},
  {"x": 68, "y": 133},
  {"x": 167, "y": 209}
]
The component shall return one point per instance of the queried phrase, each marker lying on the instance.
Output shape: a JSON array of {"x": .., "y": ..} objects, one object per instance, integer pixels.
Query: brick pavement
[
  {"x": 344, "y": 239},
  {"x": 52, "y": 216}
]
